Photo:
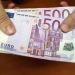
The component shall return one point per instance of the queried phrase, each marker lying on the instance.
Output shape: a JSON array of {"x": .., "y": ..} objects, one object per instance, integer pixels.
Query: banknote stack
[{"x": 38, "y": 34}]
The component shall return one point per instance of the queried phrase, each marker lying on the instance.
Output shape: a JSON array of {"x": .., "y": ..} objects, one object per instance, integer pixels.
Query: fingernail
[
  {"x": 10, "y": 29},
  {"x": 65, "y": 28}
]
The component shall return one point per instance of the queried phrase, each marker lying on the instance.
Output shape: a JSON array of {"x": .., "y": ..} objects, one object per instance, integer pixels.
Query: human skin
[{"x": 8, "y": 28}]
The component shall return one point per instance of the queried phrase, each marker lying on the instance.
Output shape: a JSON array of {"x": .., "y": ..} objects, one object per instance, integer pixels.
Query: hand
[
  {"x": 69, "y": 23},
  {"x": 5, "y": 23},
  {"x": 64, "y": 3},
  {"x": 12, "y": 6}
]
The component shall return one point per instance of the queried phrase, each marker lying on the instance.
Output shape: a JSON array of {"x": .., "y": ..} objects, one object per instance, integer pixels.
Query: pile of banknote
[{"x": 38, "y": 34}]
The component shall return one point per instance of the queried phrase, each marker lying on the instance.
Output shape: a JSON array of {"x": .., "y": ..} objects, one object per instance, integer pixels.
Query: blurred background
[
  {"x": 37, "y": 3},
  {"x": 18, "y": 65}
]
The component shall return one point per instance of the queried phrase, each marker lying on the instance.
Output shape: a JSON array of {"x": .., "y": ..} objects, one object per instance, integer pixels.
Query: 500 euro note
[
  {"x": 47, "y": 41},
  {"x": 35, "y": 38}
]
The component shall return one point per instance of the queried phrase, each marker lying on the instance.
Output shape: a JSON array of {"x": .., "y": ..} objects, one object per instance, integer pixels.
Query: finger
[
  {"x": 69, "y": 23},
  {"x": 11, "y": 5},
  {"x": 5, "y": 23},
  {"x": 64, "y": 3}
]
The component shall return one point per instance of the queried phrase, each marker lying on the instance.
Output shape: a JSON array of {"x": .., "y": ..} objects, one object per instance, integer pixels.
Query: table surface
[{"x": 19, "y": 65}]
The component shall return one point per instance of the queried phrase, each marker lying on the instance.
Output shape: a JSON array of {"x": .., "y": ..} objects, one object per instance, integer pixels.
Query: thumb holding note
[
  {"x": 5, "y": 23},
  {"x": 69, "y": 23}
]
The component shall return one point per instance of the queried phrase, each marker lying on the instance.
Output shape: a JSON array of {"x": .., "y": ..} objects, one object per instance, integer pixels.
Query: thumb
[
  {"x": 69, "y": 23},
  {"x": 5, "y": 23}
]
